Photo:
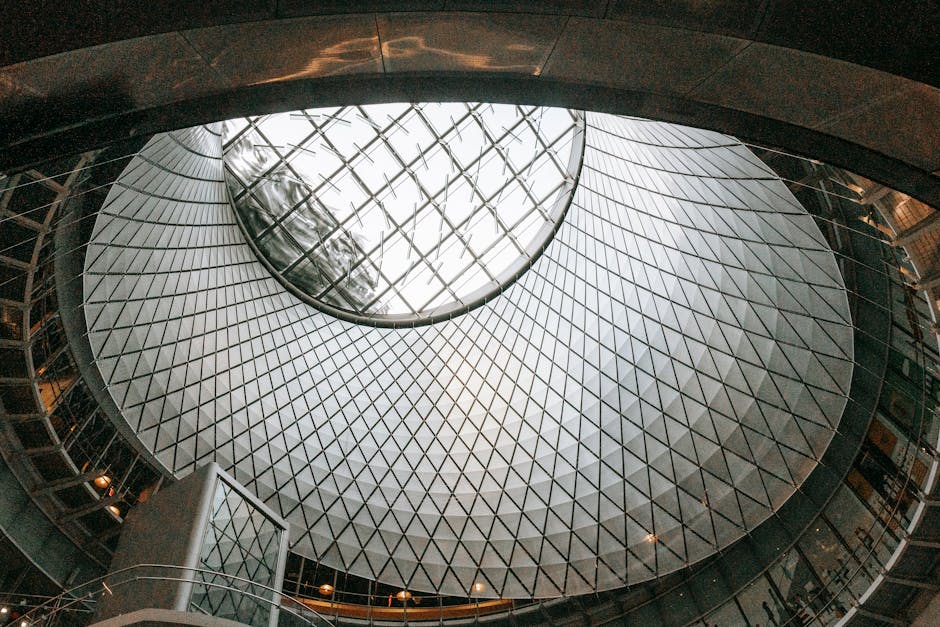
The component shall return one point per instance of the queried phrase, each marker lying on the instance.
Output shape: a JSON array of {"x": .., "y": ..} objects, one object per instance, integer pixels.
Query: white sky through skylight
[{"x": 401, "y": 210}]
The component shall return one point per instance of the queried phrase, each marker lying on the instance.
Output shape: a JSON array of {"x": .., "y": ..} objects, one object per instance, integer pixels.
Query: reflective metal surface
[
  {"x": 658, "y": 383},
  {"x": 676, "y": 63}
]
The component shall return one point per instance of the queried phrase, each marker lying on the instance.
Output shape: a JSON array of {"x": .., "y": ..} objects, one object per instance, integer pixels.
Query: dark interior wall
[{"x": 894, "y": 42}]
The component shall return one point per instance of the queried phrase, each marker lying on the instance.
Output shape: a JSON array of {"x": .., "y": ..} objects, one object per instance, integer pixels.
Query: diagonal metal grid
[
  {"x": 655, "y": 386},
  {"x": 402, "y": 213},
  {"x": 241, "y": 544}
]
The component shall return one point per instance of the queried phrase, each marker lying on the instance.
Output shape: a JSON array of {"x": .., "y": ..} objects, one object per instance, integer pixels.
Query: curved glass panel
[{"x": 402, "y": 213}]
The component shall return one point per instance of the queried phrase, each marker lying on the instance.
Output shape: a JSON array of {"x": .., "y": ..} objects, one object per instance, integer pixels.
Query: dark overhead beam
[
  {"x": 870, "y": 33},
  {"x": 668, "y": 63}
]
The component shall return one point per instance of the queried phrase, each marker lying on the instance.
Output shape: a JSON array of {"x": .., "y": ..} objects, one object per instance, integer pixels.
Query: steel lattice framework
[
  {"x": 656, "y": 385},
  {"x": 404, "y": 213}
]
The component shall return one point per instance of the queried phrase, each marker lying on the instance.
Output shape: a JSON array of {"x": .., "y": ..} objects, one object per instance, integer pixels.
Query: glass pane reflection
[{"x": 408, "y": 211}]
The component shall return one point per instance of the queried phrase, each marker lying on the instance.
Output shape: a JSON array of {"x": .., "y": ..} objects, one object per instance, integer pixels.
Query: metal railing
[
  {"x": 373, "y": 602},
  {"x": 82, "y": 599},
  {"x": 430, "y": 608}
]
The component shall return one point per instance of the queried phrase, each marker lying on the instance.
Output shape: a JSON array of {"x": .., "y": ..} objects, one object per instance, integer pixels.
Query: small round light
[
  {"x": 651, "y": 537},
  {"x": 478, "y": 587},
  {"x": 114, "y": 510},
  {"x": 403, "y": 595},
  {"x": 102, "y": 481},
  {"x": 24, "y": 623},
  {"x": 4, "y": 610},
  {"x": 326, "y": 589}
]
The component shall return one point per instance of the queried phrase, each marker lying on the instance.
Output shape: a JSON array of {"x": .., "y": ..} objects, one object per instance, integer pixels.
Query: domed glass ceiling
[
  {"x": 402, "y": 213},
  {"x": 663, "y": 377}
]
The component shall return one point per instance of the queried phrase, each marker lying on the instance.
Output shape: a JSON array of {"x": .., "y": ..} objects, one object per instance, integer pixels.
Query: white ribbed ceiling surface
[{"x": 658, "y": 383}]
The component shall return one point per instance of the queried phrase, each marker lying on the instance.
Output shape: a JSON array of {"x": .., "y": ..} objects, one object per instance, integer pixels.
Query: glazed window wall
[
  {"x": 87, "y": 436},
  {"x": 65, "y": 437},
  {"x": 55, "y": 370}
]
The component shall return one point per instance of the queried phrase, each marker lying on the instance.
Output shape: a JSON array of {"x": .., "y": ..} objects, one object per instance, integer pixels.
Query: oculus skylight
[{"x": 402, "y": 213}]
